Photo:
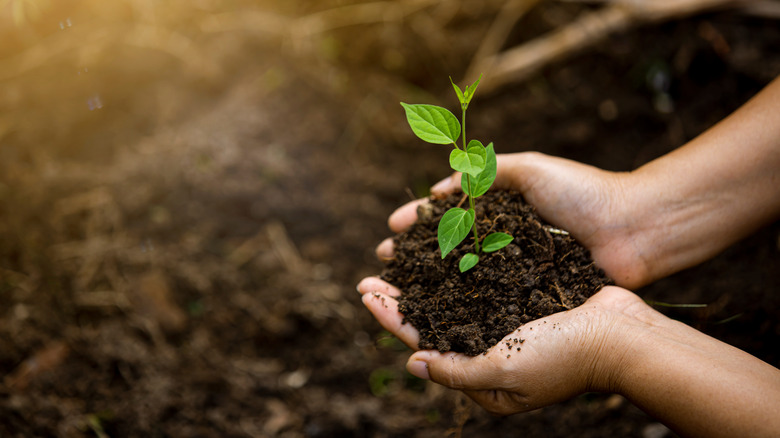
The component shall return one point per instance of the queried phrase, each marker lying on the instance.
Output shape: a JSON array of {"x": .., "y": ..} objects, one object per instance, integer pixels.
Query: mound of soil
[{"x": 543, "y": 271}]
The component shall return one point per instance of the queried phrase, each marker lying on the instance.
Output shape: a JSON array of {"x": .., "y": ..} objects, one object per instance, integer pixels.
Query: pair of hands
[
  {"x": 564, "y": 354},
  {"x": 672, "y": 213}
]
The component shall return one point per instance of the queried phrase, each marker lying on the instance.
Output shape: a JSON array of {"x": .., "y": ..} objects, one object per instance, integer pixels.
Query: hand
[
  {"x": 670, "y": 214},
  {"x": 560, "y": 356},
  {"x": 594, "y": 205},
  {"x": 613, "y": 342}
]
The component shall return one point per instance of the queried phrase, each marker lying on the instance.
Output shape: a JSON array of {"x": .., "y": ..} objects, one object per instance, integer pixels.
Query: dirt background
[{"x": 190, "y": 191}]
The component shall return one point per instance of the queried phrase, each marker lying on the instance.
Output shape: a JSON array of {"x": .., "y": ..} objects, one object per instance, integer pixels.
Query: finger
[
  {"x": 518, "y": 171},
  {"x": 486, "y": 371},
  {"x": 446, "y": 186},
  {"x": 514, "y": 171},
  {"x": 404, "y": 216},
  {"x": 375, "y": 284},
  {"x": 385, "y": 310},
  {"x": 455, "y": 370},
  {"x": 384, "y": 251}
]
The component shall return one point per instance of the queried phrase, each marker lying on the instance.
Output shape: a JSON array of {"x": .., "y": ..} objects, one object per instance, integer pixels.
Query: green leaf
[
  {"x": 471, "y": 89},
  {"x": 496, "y": 241},
  {"x": 471, "y": 161},
  {"x": 459, "y": 92},
  {"x": 465, "y": 96},
  {"x": 481, "y": 183},
  {"x": 454, "y": 226},
  {"x": 468, "y": 261},
  {"x": 432, "y": 123}
]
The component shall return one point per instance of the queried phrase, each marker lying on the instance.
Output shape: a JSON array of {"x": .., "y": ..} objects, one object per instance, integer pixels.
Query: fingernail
[
  {"x": 359, "y": 285},
  {"x": 370, "y": 296},
  {"x": 384, "y": 251},
  {"x": 419, "y": 369}
]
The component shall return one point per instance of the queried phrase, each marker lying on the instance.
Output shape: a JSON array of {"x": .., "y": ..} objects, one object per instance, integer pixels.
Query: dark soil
[{"x": 543, "y": 271}]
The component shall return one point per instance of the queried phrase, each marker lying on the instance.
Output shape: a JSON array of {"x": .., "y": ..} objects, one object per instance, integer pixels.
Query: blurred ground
[{"x": 189, "y": 193}]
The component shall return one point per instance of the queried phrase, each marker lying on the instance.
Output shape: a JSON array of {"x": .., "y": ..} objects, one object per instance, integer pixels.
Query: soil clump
[{"x": 543, "y": 271}]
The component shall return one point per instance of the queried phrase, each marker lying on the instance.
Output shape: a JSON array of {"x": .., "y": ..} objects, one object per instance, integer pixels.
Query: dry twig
[
  {"x": 518, "y": 63},
  {"x": 507, "y": 17}
]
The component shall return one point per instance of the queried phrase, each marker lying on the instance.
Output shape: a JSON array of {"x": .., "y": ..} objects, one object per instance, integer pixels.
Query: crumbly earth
[{"x": 543, "y": 271}]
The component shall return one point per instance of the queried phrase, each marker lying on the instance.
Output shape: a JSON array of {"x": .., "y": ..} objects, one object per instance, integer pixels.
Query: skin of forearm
[
  {"x": 697, "y": 200},
  {"x": 696, "y": 384}
]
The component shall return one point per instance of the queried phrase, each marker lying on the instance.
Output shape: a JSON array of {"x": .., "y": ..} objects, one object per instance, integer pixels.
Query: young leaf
[
  {"x": 496, "y": 241},
  {"x": 468, "y": 261},
  {"x": 432, "y": 123},
  {"x": 482, "y": 182},
  {"x": 471, "y": 161},
  {"x": 465, "y": 96},
  {"x": 471, "y": 89},
  {"x": 454, "y": 226},
  {"x": 459, "y": 92}
]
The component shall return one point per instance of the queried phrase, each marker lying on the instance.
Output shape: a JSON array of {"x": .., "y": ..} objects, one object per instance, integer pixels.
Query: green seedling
[{"x": 477, "y": 165}]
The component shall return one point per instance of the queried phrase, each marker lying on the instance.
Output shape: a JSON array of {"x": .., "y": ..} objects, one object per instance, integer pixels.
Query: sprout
[{"x": 476, "y": 162}]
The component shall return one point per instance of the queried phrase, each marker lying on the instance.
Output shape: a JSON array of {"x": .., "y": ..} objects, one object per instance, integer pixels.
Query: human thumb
[
  {"x": 418, "y": 368},
  {"x": 454, "y": 370}
]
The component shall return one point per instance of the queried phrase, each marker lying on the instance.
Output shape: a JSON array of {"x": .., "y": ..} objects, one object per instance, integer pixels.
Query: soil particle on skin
[{"x": 538, "y": 274}]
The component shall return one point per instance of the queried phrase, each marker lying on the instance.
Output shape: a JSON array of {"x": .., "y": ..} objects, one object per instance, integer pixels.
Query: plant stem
[
  {"x": 468, "y": 184},
  {"x": 463, "y": 124},
  {"x": 471, "y": 204}
]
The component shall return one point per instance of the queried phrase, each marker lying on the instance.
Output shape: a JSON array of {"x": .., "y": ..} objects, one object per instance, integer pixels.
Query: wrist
[
  {"x": 640, "y": 212},
  {"x": 665, "y": 223},
  {"x": 694, "y": 384},
  {"x": 623, "y": 242},
  {"x": 622, "y": 330},
  {"x": 671, "y": 220}
]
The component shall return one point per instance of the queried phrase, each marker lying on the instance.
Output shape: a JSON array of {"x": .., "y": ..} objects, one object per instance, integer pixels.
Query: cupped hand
[
  {"x": 594, "y": 205},
  {"x": 566, "y": 353},
  {"x": 542, "y": 362}
]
